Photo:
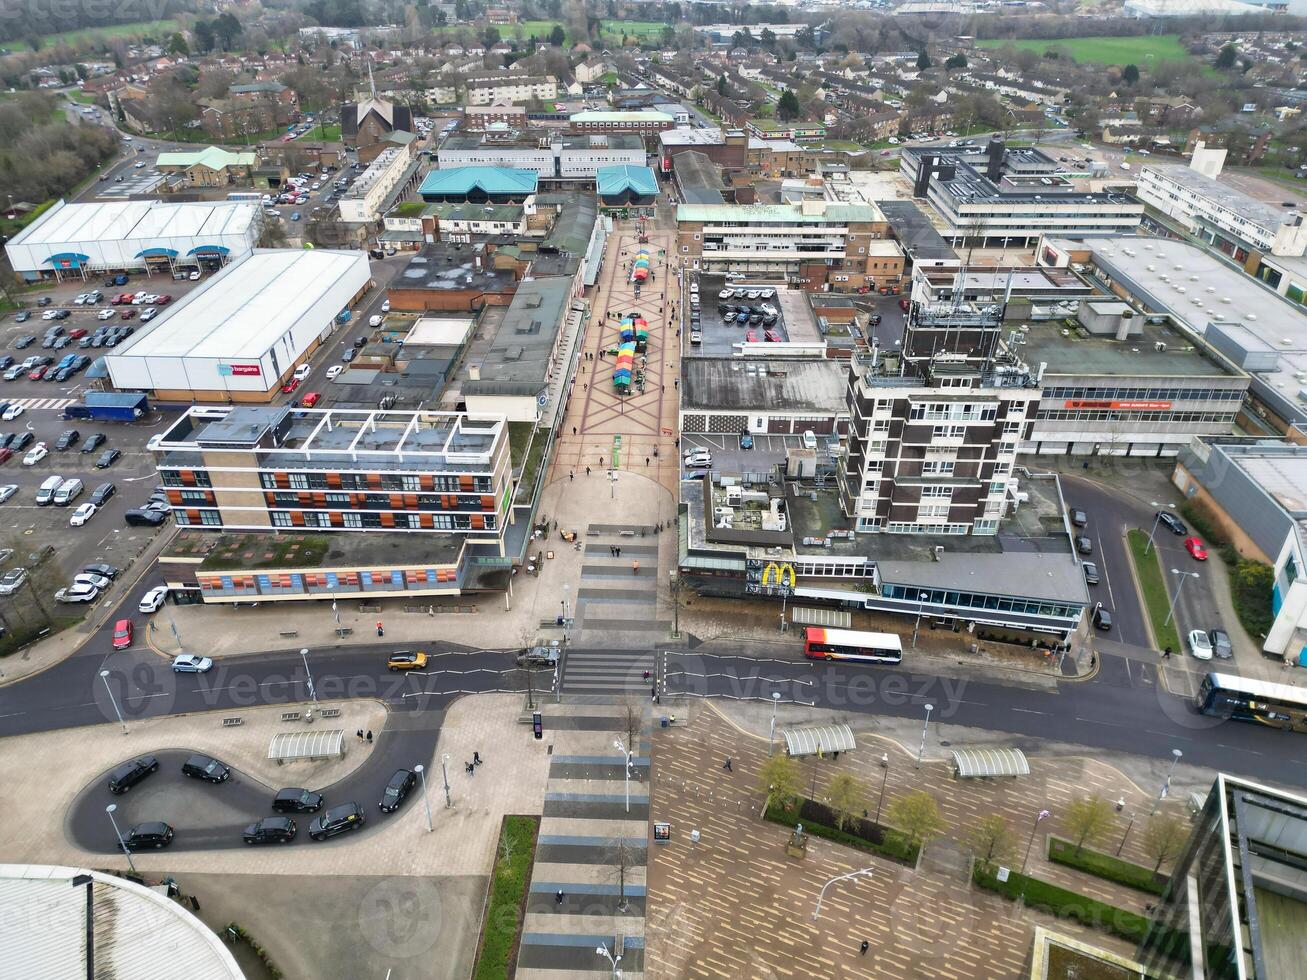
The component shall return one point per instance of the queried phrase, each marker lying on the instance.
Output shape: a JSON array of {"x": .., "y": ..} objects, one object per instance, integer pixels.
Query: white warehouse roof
[
  {"x": 138, "y": 932},
  {"x": 247, "y": 307},
  {"x": 89, "y": 223}
]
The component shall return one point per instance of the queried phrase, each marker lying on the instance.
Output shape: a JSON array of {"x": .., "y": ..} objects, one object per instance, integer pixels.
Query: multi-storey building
[
  {"x": 813, "y": 243},
  {"x": 647, "y": 123},
  {"x": 993, "y": 195},
  {"x": 936, "y": 427},
  {"x": 485, "y": 90},
  {"x": 367, "y": 196},
  {"x": 557, "y": 158}
]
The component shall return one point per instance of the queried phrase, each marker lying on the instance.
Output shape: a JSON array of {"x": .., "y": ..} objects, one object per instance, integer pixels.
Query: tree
[
  {"x": 957, "y": 61},
  {"x": 1226, "y": 58},
  {"x": 1164, "y": 838},
  {"x": 721, "y": 86},
  {"x": 557, "y": 36},
  {"x": 1087, "y": 819},
  {"x": 1130, "y": 75},
  {"x": 667, "y": 35},
  {"x": 203, "y": 34},
  {"x": 916, "y": 816},
  {"x": 778, "y": 779},
  {"x": 622, "y": 857},
  {"x": 177, "y": 45},
  {"x": 846, "y": 796},
  {"x": 226, "y": 29},
  {"x": 923, "y": 60},
  {"x": 492, "y": 36},
  {"x": 992, "y": 841},
  {"x": 788, "y": 107}
]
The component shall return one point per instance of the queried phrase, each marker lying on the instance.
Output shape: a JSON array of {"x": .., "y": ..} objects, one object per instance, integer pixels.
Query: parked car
[
  {"x": 1199, "y": 645},
  {"x": 12, "y": 412},
  {"x": 1102, "y": 618},
  {"x": 1221, "y": 646},
  {"x": 1079, "y": 518},
  {"x": 294, "y": 799},
  {"x": 67, "y": 439},
  {"x": 138, "y": 517},
  {"x": 1195, "y": 548},
  {"x": 1083, "y": 545},
  {"x": 270, "y": 830},
  {"x": 337, "y": 820},
  {"x": 190, "y": 663},
  {"x": 107, "y": 459},
  {"x": 1169, "y": 520},
  {"x": 81, "y": 515},
  {"x": 37, "y": 453},
  {"x": 93, "y": 442},
  {"x": 290, "y": 386},
  {"x": 206, "y": 768},
  {"x": 127, "y": 775},
  {"x": 108, "y": 571},
  {"x": 1091, "y": 573},
  {"x": 90, "y": 578},
  {"x": 122, "y": 634},
  {"x": 397, "y": 790},
  {"x": 7, "y": 491},
  {"x": 77, "y": 593},
  {"x": 12, "y": 580},
  {"x": 152, "y": 600},
  {"x": 155, "y": 833}
]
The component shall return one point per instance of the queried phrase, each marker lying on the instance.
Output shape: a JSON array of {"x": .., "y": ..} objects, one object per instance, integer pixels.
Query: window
[
  {"x": 211, "y": 518},
  {"x": 280, "y": 518},
  {"x": 938, "y": 467},
  {"x": 948, "y": 432},
  {"x": 936, "y": 492},
  {"x": 299, "y": 481},
  {"x": 353, "y": 519}
]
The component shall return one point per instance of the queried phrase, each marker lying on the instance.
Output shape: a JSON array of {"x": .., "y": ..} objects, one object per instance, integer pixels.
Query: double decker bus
[
  {"x": 1244, "y": 699},
  {"x": 820, "y": 643}
]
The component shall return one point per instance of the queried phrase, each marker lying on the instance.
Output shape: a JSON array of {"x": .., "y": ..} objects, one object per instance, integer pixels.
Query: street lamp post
[
  {"x": 884, "y": 775},
  {"x": 771, "y": 738},
  {"x": 675, "y": 583},
  {"x": 617, "y": 744},
  {"x": 444, "y": 770},
  {"x": 1184, "y": 577},
  {"x": 1165, "y": 791},
  {"x": 1149, "y": 547},
  {"x": 422, "y": 774},
  {"x": 921, "y": 601},
  {"x": 612, "y": 960},
  {"x": 1126, "y": 834},
  {"x": 104, "y": 676},
  {"x": 118, "y": 833},
  {"x": 304, "y": 655},
  {"x": 924, "y": 727},
  {"x": 1040, "y": 816},
  {"x": 566, "y": 591},
  {"x": 845, "y": 877}
]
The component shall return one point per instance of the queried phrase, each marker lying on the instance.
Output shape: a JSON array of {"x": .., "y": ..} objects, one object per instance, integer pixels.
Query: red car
[
  {"x": 122, "y": 634},
  {"x": 125, "y": 299},
  {"x": 751, "y": 336},
  {"x": 1195, "y": 547},
  {"x": 6, "y": 454},
  {"x": 77, "y": 333},
  {"x": 290, "y": 386},
  {"x": 129, "y": 314},
  {"x": 311, "y": 399},
  {"x": 163, "y": 300},
  {"x": 37, "y": 373},
  {"x": 772, "y": 337},
  {"x": 904, "y": 304}
]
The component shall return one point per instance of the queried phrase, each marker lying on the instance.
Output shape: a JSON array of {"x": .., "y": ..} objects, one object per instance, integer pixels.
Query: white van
[
  {"x": 68, "y": 491},
  {"x": 809, "y": 439},
  {"x": 45, "y": 493}
]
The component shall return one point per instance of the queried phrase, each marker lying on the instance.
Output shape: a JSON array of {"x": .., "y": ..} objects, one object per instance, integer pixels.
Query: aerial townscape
[{"x": 562, "y": 489}]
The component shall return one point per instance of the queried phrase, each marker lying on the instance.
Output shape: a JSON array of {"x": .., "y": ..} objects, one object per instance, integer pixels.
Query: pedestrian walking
[
  {"x": 558, "y": 897},
  {"x": 653, "y": 693},
  {"x": 587, "y": 471},
  {"x": 619, "y": 552},
  {"x": 612, "y": 551},
  {"x": 635, "y": 568},
  {"x": 360, "y": 734},
  {"x": 570, "y": 476},
  {"x": 646, "y": 461},
  {"x": 476, "y": 758},
  {"x": 862, "y": 950},
  {"x": 369, "y": 736},
  {"x": 727, "y": 765},
  {"x": 573, "y": 430}
]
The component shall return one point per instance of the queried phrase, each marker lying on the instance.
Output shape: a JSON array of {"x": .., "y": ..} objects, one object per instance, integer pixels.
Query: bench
[
  {"x": 232, "y": 722},
  {"x": 330, "y": 712},
  {"x": 626, "y": 534},
  {"x": 290, "y": 716},
  {"x": 344, "y": 631},
  {"x": 289, "y": 633}
]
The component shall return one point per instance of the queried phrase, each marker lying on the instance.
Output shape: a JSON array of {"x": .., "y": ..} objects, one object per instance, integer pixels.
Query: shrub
[
  {"x": 1250, "y": 588},
  {"x": 508, "y": 883},
  {"x": 1063, "y": 903},
  {"x": 1105, "y": 866},
  {"x": 865, "y": 835}
]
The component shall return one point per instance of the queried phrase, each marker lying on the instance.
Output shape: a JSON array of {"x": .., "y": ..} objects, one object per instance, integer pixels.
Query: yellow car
[{"x": 407, "y": 660}]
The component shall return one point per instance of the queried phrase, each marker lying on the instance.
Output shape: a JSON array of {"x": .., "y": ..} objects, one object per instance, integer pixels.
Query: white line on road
[{"x": 1030, "y": 711}]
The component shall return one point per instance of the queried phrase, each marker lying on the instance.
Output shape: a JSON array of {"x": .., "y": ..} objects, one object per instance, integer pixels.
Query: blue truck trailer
[{"x": 110, "y": 406}]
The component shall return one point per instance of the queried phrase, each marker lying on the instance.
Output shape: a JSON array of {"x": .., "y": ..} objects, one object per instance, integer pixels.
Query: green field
[
  {"x": 1140, "y": 51},
  {"x": 159, "y": 29},
  {"x": 538, "y": 29},
  {"x": 643, "y": 30}
]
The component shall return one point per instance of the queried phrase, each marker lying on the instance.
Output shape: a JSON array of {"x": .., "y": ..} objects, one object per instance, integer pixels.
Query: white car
[
  {"x": 49, "y": 314},
  {"x": 77, "y": 593},
  {"x": 37, "y": 453},
  {"x": 152, "y": 600},
  {"x": 12, "y": 412},
  {"x": 189, "y": 663},
  {"x": 106, "y": 314},
  {"x": 698, "y": 459},
  {"x": 81, "y": 299},
  {"x": 90, "y": 578},
  {"x": 194, "y": 276},
  {"x": 374, "y": 321},
  {"x": 334, "y": 371},
  {"x": 385, "y": 306},
  {"x": 1200, "y": 645},
  {"x": 7, "y": 491},
  {"x": 148, "y": 314},
  {"x": 302, "y": 372},
  {"x": 81, "y": 515}
]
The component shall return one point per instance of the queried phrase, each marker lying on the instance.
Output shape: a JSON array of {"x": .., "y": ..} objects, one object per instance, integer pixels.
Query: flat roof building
[
  {"x": 758, "y": 395},
  {"x": 243, "y": 331},
  {"x": 556, "y": 158},
  {"x": 479, "y": 185},
  {"x": 89, "y": 239}
]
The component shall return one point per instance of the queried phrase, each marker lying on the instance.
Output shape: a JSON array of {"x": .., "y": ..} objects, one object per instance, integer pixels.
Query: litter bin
[{"x": 662, "y": 722}]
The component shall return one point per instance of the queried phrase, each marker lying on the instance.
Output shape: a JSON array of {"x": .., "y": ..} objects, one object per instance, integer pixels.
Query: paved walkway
[{"x": 733, "y": 904}]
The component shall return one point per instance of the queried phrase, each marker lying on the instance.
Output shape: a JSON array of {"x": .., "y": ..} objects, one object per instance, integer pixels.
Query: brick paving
[{"x": 734, "y": 905}]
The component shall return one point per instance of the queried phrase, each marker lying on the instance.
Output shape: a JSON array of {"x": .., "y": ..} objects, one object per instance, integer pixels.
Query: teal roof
[
  {"x": 615, "y": 180},
  {"x": 491, "y": 180},
  {"x": 832, "y": 214}
]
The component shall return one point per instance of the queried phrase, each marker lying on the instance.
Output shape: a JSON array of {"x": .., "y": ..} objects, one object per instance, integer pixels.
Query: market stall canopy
[{"x": 818, "y": 741}]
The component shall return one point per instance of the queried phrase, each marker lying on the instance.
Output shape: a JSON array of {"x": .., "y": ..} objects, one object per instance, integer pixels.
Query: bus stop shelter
[
  {"x": 321, "y": 744},
  {"x": 979, "y": 763},
  {"x": 818, "y": 741}
]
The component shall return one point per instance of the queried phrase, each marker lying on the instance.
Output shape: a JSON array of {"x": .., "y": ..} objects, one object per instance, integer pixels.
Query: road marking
[
  {"x": 1030, "y": 711},
  {"x": 1095, "y": 721}
]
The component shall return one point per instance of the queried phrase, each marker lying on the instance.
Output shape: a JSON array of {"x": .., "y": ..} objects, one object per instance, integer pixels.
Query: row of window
[
  {"x": 185, "y": 478},
  {"x": 953, "y": 411},
  {"x": 977, "y": 600},
  {"x": 205, "y": 517},
  {"x": 376, "y": 481},
  {"x": 1147, "y": 394},
  {"x": 1225, "y": 418},
  {"x": 369, "y": 520},
  {"x": 407, "y": 501}
]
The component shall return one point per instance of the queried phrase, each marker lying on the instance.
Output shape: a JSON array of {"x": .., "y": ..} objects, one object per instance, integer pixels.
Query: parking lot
[
  {"x": 728, "y": 457},
  {"x": 763, "y": 318}
]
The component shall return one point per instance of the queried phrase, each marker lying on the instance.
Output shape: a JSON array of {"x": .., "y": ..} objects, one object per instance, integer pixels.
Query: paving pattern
[{"x": 734, "y": 905}]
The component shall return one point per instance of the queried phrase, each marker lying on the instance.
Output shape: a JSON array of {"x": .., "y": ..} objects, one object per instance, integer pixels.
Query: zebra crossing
[
  {"x": 42, "y": 404},
  {"x": 614, "y": 672}
]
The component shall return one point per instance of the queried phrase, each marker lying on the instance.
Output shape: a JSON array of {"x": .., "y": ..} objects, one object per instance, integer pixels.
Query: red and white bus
[{"x": 875, "y": 648}]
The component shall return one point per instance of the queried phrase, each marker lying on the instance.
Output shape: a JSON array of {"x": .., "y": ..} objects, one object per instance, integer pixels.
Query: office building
[
  {"x": 646, "y": 123},
  {"x": 727, "y": 149},
  {"x": 995, "y": 195},
  {"x": 559, "y": 159},
  {"x": 390, "y": 171},
  {"x": 813, "y": 244}
]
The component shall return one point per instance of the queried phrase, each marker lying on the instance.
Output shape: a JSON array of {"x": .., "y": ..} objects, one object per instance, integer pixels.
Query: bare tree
[
  {"x": 623, "y": 857},
  {"x": 1164, "y": 838},
  {"x": 992, "y": 841}
]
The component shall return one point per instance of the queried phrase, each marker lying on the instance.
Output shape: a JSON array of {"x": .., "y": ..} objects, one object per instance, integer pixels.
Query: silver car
[{"x": 189, "y": 663}]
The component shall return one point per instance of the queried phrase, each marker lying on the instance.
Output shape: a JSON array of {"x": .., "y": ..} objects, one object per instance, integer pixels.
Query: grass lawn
[
  {"x": 1106, "y": 866},
  {"x": 1281, "y": 176},
  {"x": 1139, "y": 51},
  {"x": 644, "y": 30},
  {"x": 1157, "y": 600},
  {"x": 329, "y": 133},
  {"x": 538, "y": 29},
  {"x": 77, "y": 95},
  {"x": 158, "y": 29},
  {"x": 846, "y": 145},
  {"x": 504, "y": 905}
]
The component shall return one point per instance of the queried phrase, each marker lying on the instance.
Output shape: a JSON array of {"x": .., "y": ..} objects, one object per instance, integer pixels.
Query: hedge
[
  {"x": 1063, "y": 903},
  {"x": 240, "y": 932},
  {"x": 508, "y": 883},
  {"x": 865, "y": 835},
  {"x": 1106, "y": 866}
]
